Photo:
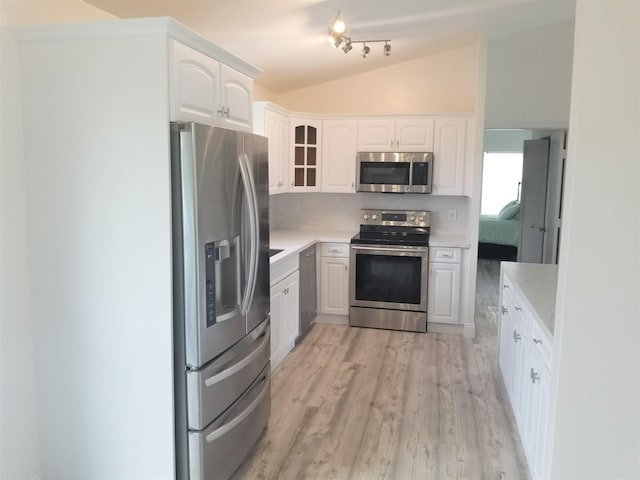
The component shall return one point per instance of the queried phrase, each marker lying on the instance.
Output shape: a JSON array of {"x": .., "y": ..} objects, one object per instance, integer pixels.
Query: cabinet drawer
[
  {"x": 541, "y": 343},
  {"x": 444, "y": 255},
  {"x": 334, "y": 250}
]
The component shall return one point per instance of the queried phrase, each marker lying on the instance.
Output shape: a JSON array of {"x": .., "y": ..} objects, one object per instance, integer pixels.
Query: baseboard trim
[
  {"x": 332, "y": 319},
  {"x": 465, "y": 329}
]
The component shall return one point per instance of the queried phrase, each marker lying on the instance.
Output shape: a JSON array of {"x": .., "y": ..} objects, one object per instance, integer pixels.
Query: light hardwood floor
[{"x": 357, "y": 403}]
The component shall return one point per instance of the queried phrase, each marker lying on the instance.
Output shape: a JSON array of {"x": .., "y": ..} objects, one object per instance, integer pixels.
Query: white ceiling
[{"x": 287, "y": 39}]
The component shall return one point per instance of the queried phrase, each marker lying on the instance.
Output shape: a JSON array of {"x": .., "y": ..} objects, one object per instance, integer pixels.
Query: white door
[
  {"x": 194, "y": 84},
  {"x": 414, "y": 135},
  {"x": 334, "y": 285},
  {"x": 339, "y": 149},
  {"x": 277, "y": 131},
  {"x": 444, "y": 293},
  {"x": 535, "y": 166},
  {"x": 236, "y": 99},
  {"x": 449, "y": 152},
  {"x": 376, "y": 135}
]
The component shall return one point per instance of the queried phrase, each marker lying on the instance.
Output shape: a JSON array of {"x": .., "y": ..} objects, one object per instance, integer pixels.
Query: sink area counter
[{"x": 294, "y": 241}]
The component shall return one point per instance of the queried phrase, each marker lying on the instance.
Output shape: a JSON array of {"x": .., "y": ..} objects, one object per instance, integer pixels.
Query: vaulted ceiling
[{"x": 287, "y": 39}]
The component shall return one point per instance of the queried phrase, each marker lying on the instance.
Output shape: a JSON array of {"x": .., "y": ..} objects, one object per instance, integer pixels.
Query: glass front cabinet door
[{"x": 306, "y": 158}]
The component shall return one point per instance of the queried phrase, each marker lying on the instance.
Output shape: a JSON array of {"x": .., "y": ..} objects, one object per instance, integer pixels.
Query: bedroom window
[{"x": 501, "y": 177}]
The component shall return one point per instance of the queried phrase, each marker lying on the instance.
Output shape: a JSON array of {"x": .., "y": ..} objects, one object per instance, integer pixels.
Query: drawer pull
[
  {"x": 504, "y": 310},
  {"x": 504, "y": 285},
  {"x": 516, "y": 336},
  {"x": 538, "y": 341},
  {"x": 518, "y": 309}
]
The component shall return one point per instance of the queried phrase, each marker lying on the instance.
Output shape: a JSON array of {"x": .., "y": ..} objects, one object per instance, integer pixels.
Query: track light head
[
  {"x": 387, "y": 49},
  {"x": 365, "y": 51},
  {"x": 346, "y": 48}
]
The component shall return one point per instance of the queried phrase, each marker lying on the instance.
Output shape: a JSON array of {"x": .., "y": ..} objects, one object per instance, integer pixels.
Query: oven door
[{"x": 391, "y": 277}]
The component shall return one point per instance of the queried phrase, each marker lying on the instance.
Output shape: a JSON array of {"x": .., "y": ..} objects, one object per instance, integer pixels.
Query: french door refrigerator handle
[{"x": 250, "y": 193}]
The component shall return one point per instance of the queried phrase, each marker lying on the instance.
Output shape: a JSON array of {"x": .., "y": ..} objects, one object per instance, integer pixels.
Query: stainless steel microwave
[{"x": 395, "y": 172}]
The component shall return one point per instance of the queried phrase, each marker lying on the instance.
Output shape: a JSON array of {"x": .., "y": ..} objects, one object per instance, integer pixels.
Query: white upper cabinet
[
  {"x": 201, "y": 89},
  {"x": 236, "y": 99},
  {"x": 339, "y": 149},
  {"x": 449, "y": 153},
  {"x": 273, "y": 123},
  {"x": 305, "y": 137},
  {"x": 391, "y": 135},
  {"x": 414, "y": 135}
]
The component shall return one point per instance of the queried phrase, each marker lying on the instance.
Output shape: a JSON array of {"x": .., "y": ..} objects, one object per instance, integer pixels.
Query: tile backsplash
[{"x": 340, "y": 211}]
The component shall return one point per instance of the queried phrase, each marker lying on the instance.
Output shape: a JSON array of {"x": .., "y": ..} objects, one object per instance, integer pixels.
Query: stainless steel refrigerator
[{"x": 221, "y": 297}]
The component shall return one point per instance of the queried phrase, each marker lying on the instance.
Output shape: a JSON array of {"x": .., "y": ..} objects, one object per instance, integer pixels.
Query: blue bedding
[{"x": 494, "y": 229}]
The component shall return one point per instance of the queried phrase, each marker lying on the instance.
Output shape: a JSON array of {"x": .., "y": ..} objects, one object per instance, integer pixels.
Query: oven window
[
  {"x": 388, "y": 278},
  {"x": 378, "y": 173}
]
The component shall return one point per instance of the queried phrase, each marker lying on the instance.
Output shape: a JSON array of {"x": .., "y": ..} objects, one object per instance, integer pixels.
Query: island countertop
[{"x": 538, "y": 283}]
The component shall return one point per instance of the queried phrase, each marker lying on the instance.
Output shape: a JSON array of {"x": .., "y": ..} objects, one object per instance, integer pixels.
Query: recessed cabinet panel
[
  {"x": 195, "y": 85},
  {"x": 414, "y": 135},
  {"x": 339, "y": 147},
  {"x": 237, "y": 98},
  {"x": 449, "y": 151}
]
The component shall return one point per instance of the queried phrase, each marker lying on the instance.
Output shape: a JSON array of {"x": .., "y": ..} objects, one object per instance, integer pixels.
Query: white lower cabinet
[
  {"x": 334, "y": 278},
  {"x": 285, "y": 308},
  {"x": 524, "y": 361},
  {"x": 443, "y": 302}
]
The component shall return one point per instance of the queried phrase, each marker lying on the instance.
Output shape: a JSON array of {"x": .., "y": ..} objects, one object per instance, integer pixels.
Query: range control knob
[
  {"x": 365, "y": 216},
  {"x": 374, "y": 217},
  {"x": 421, "y": 219},
  {"x": 412, "y": 218}
]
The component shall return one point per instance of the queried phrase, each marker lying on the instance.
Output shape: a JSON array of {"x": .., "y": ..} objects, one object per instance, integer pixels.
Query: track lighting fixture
[{"x": 337, "y": 35}]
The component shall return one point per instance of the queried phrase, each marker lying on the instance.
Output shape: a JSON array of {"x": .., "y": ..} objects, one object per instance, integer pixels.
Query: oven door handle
[{"x": 398, "y": 249}]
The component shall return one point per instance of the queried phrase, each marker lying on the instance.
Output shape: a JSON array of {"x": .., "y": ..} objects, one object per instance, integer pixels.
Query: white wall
[
  {"x": 19, "y": 442},
  {"x": 596, "y": 415},
  {"x": 529, "y": 78},
  {"x": 439, "y": 83},
  {"x": 505, "y": 140}
]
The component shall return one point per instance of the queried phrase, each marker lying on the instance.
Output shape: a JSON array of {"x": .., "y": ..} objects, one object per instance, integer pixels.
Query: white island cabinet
[
  {"x": 527, "y": 303},
  {"x": 96, "y": 102}
]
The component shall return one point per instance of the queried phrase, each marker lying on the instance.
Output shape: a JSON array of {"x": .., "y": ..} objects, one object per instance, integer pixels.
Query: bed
[{"x": 499, "y": 234}]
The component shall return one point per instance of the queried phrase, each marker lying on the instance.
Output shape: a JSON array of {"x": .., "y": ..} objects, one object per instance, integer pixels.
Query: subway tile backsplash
[{"x": 340, "y": 211}]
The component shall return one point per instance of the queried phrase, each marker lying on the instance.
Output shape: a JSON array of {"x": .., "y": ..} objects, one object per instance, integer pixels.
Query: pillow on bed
[
  {"x": 510, "y": 204},
  {"x": 509, "y": 212}
]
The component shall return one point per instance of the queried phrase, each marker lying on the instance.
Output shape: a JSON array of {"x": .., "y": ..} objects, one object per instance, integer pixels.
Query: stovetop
[{"x": 393, "y": 227}]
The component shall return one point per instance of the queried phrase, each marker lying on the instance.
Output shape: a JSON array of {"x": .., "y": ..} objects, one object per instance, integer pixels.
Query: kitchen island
[{"x": 527, "y": 321}]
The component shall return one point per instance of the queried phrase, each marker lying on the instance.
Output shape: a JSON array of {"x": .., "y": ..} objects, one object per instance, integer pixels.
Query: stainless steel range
[{"x": 388, "y": 270}]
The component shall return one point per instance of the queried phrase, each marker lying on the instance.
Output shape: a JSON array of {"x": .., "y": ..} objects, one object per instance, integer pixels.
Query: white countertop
[
  {"x": 448, "y": 240},
  {"x": 538, "y": 283},
  {"x": 294, "y": 241}
]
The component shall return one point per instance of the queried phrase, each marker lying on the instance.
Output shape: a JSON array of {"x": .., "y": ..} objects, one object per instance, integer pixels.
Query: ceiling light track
[{"x": 337, "y": 35}]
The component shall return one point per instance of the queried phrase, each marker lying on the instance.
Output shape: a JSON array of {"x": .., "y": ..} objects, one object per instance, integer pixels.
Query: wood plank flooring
[{"x": 358, "y": 403}]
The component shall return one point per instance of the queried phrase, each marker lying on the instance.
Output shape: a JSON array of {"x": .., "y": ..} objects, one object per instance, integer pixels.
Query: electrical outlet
[{"x": 452, "y": 215}]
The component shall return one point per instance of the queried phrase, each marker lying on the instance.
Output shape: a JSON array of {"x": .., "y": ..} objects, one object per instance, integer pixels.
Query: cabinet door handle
[
  {"x": 397, "y": 143},
  {"x": 346, "y": 268},
  {"x": 533, "y": 375},
  {"x": 537, "y": 341},
  {"x": 224, "y": 111},
  {"x": 519, "y": 309},
  {"x": 504, "y": 310},
  {"x": 516, "y": 336},
  {"x": 353, "y": 184},
  {"x": 504, "y": 285},
  {"x": 391, "y": 144}
]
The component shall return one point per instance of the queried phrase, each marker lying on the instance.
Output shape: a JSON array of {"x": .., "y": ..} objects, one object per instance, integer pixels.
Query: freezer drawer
[
  {"x": 213, "y": 388},
  {"x": 215, "y": 453}
]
